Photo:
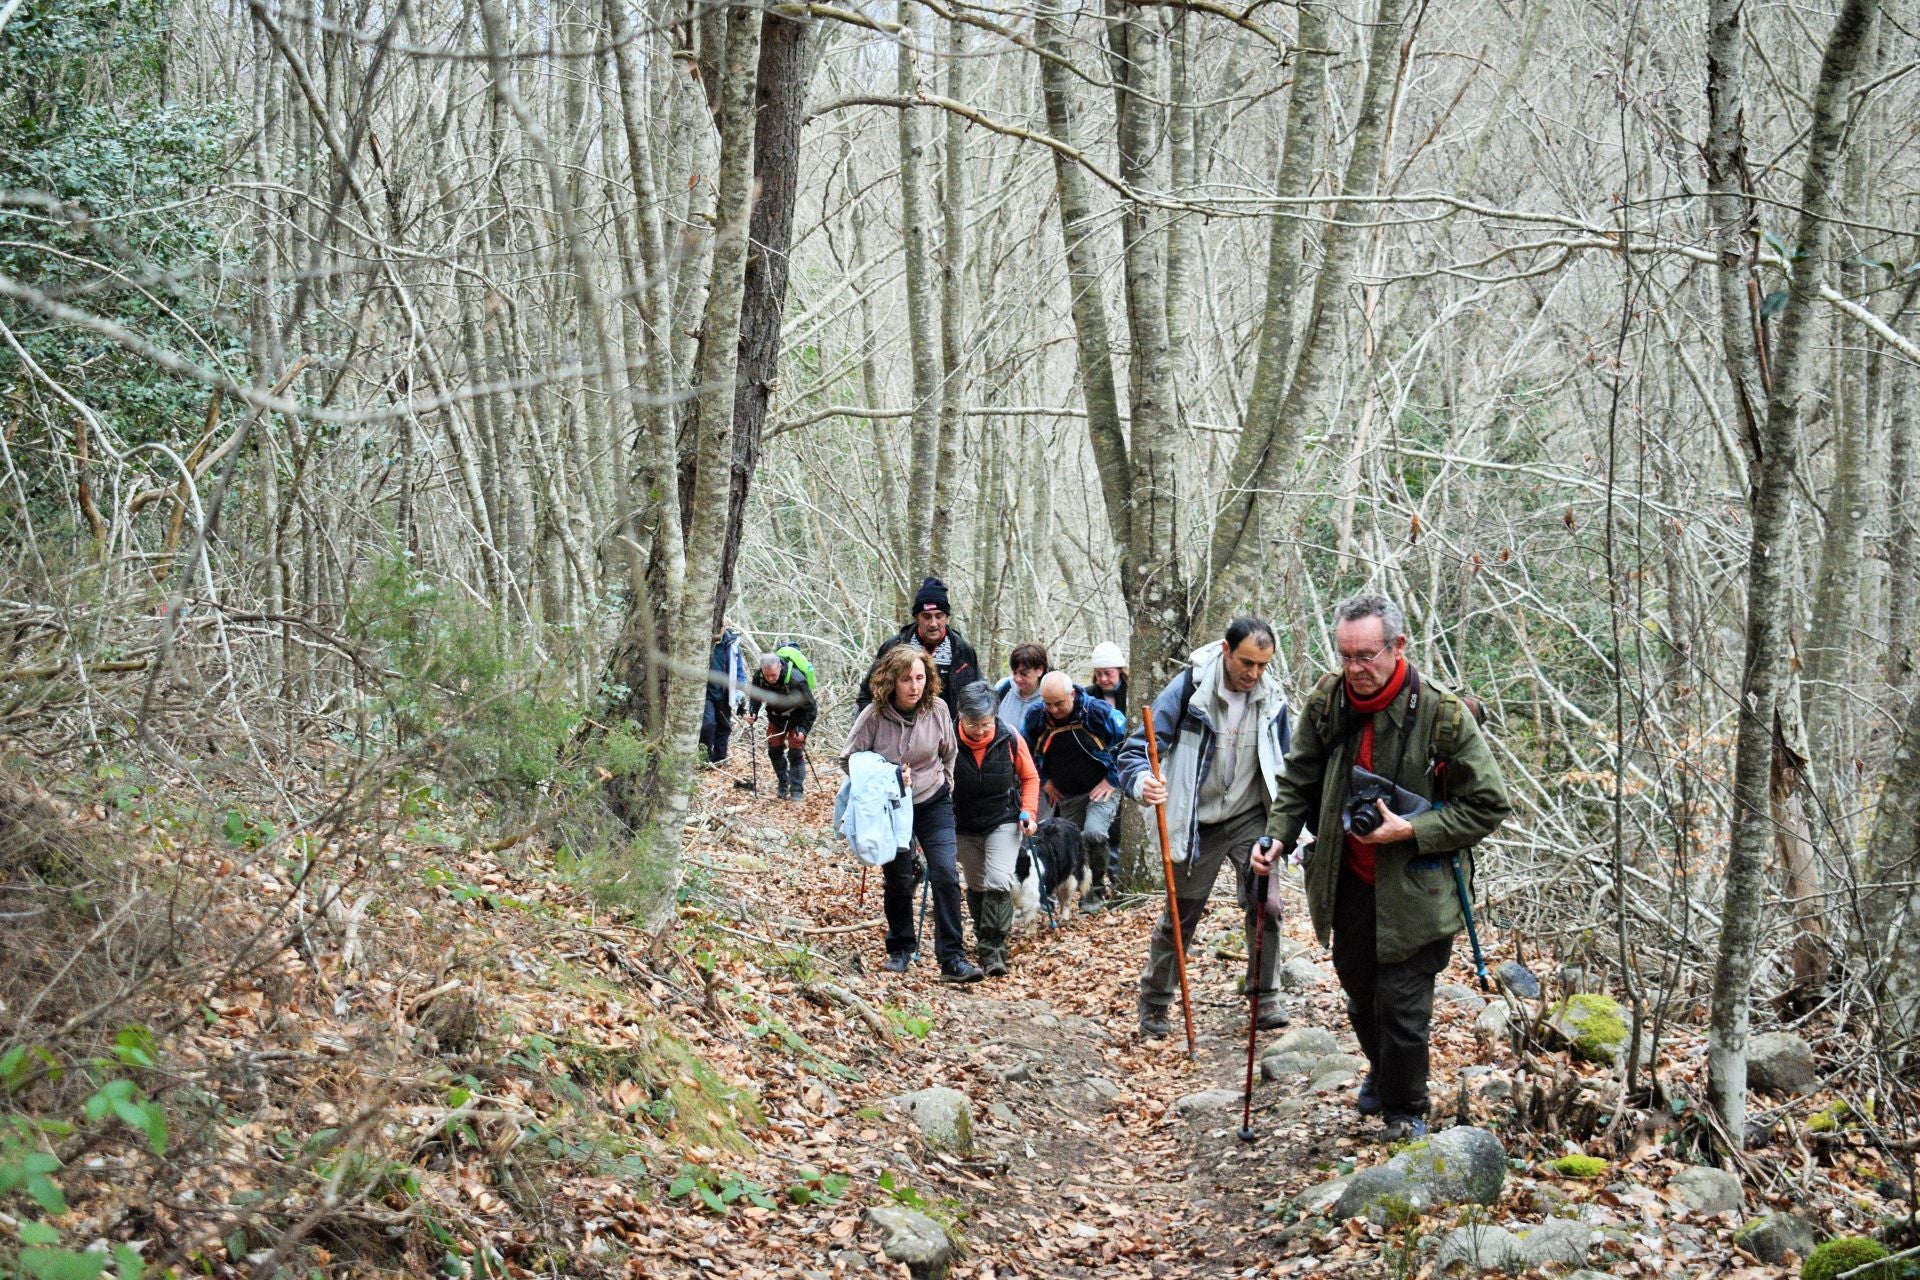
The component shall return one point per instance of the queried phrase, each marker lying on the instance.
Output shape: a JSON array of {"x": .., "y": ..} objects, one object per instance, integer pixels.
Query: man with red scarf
[{"x": 1386, "y": 899}]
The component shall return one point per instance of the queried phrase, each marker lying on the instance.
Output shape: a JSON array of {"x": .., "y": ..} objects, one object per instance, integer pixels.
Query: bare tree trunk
[
  {"x": 1766, "y": 603},
  {"x": 1261, "y": 464},
  {"x": 923, "y": 342},
  {"x": 786, "y": 67},
  {"x": 659, "y": 802},
  {"x": 1893, "y": 915},
  {"x": 1093, "y": 349},
  {"x": 1154, "y": 585},
  {"x": 1903, "y": 552},
  {"x": 897, "y": 554},
  {"x": 953, "y": 313}
]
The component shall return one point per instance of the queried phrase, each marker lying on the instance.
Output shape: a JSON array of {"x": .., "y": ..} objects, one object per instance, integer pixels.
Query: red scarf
[{"x": 1360, "y": 856}]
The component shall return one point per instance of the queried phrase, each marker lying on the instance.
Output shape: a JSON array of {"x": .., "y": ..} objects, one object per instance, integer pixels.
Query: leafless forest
[{"x": 400, "y": 393}]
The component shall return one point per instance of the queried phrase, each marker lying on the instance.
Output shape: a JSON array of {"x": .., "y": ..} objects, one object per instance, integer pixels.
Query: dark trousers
[
  {"x": 789, "y": 762},
  {"x": 716, "y": 729},
  {"x": 1389, "y": 1005},
  {"x": 933, "y": 828}
]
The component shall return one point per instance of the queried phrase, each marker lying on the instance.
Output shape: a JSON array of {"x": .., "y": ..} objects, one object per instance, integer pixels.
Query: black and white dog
[{"x": 1053, "y": 863}]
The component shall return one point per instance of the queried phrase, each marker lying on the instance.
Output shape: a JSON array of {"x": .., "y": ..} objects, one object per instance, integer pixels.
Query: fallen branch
[
  {"x": 825, "y": 993},
  {"x": 840, "y": 928}
]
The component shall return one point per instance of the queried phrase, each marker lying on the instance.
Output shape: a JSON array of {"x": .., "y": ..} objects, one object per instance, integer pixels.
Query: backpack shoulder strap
[{"x": 1323, "y": 699}]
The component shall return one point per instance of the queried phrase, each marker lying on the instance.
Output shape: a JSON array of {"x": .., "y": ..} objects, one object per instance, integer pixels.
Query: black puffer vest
[{"x": 986, "y": 795}]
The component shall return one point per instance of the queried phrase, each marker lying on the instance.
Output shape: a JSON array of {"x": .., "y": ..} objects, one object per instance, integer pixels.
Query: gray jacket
[{"x": 1183, "y": 728}]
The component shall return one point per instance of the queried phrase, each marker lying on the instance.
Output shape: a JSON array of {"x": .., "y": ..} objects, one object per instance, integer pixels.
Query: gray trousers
[
  {"x": 987, "y": 860},
  {"x": 1193, "y": 879}
]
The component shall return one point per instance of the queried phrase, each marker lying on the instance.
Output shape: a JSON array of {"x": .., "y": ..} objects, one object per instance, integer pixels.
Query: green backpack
[{"x": 799, "y": 660}]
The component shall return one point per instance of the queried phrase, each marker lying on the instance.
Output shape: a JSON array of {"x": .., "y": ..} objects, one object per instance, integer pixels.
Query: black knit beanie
[{"x": 932, "y": 592}]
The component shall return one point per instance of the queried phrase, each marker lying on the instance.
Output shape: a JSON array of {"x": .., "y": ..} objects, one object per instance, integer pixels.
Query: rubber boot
[{"x": 992, "y": 922}]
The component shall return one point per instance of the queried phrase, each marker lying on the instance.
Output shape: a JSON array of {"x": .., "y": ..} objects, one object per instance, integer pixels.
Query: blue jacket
[
  {"x": 727, "y": 672},
  {"x": 873, "y": 813},
  {"x": 1095, "y": 728}
]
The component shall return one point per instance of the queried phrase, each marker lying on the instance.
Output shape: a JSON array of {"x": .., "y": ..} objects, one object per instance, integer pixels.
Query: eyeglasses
[{"x": 1362, "y": 659}]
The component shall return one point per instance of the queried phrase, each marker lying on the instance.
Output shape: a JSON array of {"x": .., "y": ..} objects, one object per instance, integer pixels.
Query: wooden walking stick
[{"x": 1173, "y": 900}]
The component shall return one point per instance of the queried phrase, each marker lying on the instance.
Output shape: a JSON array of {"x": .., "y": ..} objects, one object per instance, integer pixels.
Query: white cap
[{"x": 1107, "y": 654}]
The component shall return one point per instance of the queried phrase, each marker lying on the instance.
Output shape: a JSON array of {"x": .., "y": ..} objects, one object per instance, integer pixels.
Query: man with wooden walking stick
[{"x": 1221, "y": 731}]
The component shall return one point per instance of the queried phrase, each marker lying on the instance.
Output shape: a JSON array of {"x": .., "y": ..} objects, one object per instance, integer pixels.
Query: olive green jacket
[{"x": 1415, "y": 901}]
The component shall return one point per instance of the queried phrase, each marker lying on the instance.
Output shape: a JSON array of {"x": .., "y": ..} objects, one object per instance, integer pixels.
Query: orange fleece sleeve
[{"x": 1029, "y": 776}]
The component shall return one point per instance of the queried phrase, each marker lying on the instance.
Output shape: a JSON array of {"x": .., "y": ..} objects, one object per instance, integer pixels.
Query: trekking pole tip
[{"x": 1246, "y": 1133}]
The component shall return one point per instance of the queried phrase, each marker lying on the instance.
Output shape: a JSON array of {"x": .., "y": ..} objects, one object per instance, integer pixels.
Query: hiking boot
[
  {"x": 1367, "y": 1101},
  {"x": 899, "y": 962},
  {"x": 992, "y": 922},
  {"x": 797, "y": 792},
  {"x": 961, "y": 970},
  {"x": 1095, "y": 900},
  {"x": 1404, "y": 1129},
  {"x": 1272, "y": 1017},
  {"x": 1154, "y": 1024}
]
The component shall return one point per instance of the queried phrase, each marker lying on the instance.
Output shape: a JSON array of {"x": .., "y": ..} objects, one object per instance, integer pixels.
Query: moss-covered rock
[
  {"x": 1840, "y": 1114},
  {"x": 1593, "y": 1026},
  {"x": 1837, "y": 1256},
  {"x": 1579, "y": 1166}
]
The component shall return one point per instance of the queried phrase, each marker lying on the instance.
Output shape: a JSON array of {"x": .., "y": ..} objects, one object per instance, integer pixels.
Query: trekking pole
[
  {"x": 1253, "y": 999},
  {"x": 1173, "y": 900},
  {"x": 752, "y": 784},
  {"x": 1473, "y": 934}
]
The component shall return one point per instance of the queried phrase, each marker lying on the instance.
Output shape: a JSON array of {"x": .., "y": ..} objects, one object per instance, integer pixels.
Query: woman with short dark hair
[
  {"x": 909, "y": 724},
  {"x": 1019, "y": 693},
  {"x": 996, "y": 792}
]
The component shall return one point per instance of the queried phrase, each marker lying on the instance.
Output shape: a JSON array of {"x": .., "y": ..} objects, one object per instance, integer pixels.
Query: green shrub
[{"x": 1837, "y": 1256}]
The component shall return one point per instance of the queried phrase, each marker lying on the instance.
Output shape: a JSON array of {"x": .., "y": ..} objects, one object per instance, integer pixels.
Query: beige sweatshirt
[{"x": 925, "y": 744}]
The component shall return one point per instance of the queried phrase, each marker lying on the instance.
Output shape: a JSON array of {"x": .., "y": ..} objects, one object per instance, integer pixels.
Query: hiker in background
[
  {"x": 1109, "y": 675},
  {"x": 1222, "y": 731},
  {"x": 1385, "y": 897},
  {"x": 1075, "y": 738},
  {"x": 906, "y": 721},
  {"x": 931, "y": 629},
  {"x": 1110, "y": 686},
  {"x": 996, "y": 793},
  {"x": 726, "y": 694},
  {"x": 1019, "y": 693},
  {"x": 787, "y": 683}
]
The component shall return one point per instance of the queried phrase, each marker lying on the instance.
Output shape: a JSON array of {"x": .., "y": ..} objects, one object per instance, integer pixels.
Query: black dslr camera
[{"x": 1365, "y": 790}]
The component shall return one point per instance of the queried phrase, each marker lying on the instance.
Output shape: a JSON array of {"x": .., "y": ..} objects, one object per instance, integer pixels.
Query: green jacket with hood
[{"x": 1415, "y": 900}]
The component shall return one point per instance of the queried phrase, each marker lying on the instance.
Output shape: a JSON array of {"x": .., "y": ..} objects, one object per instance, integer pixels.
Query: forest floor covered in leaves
[{"x": 453, "y": 1061}]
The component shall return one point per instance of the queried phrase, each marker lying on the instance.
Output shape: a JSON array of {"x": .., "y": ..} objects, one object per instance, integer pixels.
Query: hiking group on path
[{"x": 1239, "y": 778}]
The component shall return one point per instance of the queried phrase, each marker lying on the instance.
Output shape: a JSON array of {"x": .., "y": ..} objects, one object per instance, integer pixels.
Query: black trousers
[
  {"x": 1389, "y": 1005},
  {"x": 716, "y": 729},
  {"x": 933, "y": 828}
]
